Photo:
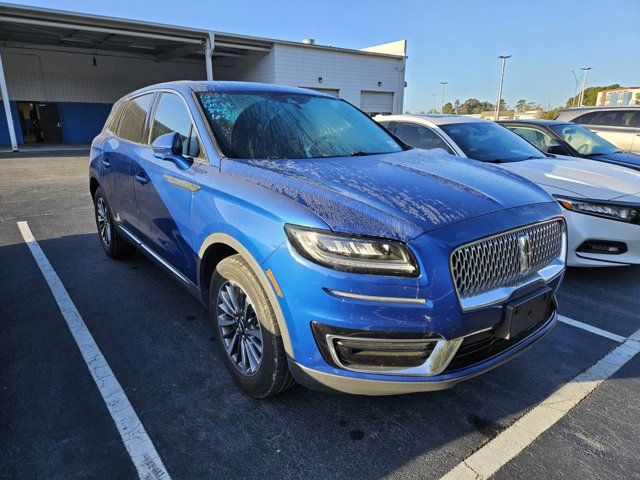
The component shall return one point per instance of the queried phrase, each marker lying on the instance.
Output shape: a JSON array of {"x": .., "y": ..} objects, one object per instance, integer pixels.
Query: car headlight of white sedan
[{"x": 613, "y": 210}]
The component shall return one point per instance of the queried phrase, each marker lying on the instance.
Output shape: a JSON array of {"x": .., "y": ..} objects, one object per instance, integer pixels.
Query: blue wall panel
[
  {"x": 4, "y": 131},
  {"x": 80, "y": 122}
]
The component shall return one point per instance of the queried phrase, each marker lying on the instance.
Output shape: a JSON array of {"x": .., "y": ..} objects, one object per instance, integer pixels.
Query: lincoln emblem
[{"x": 526, "y": 254}]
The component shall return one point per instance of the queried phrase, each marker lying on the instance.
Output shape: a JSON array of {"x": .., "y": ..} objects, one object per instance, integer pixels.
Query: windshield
[
  {"x": 261, "y": 125},
  {"x": 490, "y": 142},
  {"x": 584, "y": 141}
]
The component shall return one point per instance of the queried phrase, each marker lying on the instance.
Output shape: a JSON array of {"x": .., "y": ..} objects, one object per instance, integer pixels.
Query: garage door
[
  {"x": 376, "y": 102},
  {"x": 331, "y": 91}
]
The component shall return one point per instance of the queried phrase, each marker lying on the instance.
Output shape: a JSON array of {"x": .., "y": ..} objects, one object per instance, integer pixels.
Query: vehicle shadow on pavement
[{"x": 158, "y": 340}]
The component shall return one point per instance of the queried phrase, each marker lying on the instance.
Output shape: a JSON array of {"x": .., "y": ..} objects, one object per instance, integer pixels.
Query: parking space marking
[
  {"x": 590, "y": 328},
  {"x": 133, "y": 434},
  {"x": 510, "y": 442}
]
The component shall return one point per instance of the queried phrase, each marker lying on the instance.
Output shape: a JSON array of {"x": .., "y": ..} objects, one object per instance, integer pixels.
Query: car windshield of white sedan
[
  {"x": 490, "y": 142},
  {"x": 264, "y": 125},
  {"x": 584, "y": 141}
]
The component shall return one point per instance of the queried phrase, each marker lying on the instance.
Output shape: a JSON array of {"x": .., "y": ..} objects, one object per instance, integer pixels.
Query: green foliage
[
  {"x": 447, "y": 108},
  {"x": 551, "y": 114},
  {"x": 590, "y": 96}
]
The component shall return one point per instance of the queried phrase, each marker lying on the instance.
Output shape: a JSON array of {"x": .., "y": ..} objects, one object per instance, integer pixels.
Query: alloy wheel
[
  {"x": 239, "y": 328},
  {"x": 104, "y": 224}
]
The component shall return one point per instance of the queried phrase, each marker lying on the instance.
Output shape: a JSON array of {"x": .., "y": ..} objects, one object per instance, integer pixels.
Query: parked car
[
  {"x": 565, "y": 138},
  {"x": 618, "y": 125},
  {"x": 601, "y": 202},
  {"x": 326, "y": 250}
]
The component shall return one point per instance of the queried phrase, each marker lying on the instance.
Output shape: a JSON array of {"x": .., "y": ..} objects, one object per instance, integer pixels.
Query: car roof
[
  {"x": 601, "y": 107},
  {"x": 189, "y": 86},
  {"x": 535, "y": 121},
  {"x": 431, "y": 118}
]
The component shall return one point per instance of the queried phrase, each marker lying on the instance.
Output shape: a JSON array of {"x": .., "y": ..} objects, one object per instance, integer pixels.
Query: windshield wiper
[{"x": 360, "y": 153}]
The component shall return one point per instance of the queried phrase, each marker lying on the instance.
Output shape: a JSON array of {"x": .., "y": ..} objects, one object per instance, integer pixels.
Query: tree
[
  {"x": 521, "y": 105},
  {"x": 447, "y": 108},
  {"x": 590, "y": 96},
  {"x": 456, "y": 106}
]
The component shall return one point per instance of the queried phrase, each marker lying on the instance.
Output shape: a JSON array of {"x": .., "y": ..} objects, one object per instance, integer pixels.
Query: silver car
[{"x": 618, "y": 125}]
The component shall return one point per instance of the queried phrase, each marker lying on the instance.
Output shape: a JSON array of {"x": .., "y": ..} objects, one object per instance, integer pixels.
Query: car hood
[
  {"x": 623, "y": 158},
  {"x": 584, "y": 177},
  {"x": 399, "y": 195}
]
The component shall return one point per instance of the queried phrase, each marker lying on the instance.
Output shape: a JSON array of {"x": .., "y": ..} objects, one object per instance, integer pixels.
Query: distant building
[
  {"x": 619, "y": 97},
  {"x": 510, "y": 115}
]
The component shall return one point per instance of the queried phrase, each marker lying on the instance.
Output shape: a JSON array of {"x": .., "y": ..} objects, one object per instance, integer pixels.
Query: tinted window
[
  {"x": 420, "y": 137},
  {"x": 489, "y": 142},
  {"x": 291, "y": 125},
  {"x": 172, "y": 116},
  {"x": 536, "y": 137},
  {"x": 582, "y": 140},
  {"x": 614, "y": 118},
  {"x": 114, "y": 116},
  {"x": 132, "y": 121},
  {"x": 585, "y": 118}
]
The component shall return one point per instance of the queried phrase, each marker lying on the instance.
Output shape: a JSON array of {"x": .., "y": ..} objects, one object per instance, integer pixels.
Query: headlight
[
  {"x": 614, "y": 211},
  {"x": 353, "y": 253}
]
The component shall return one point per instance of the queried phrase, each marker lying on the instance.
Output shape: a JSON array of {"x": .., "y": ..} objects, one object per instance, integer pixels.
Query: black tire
[
  {"x": 272, "y": 376},
  {"x": 113, "y": 243}
]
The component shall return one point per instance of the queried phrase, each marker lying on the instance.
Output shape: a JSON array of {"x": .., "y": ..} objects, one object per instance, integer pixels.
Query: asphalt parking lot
[{"x": 158, "y": 342}]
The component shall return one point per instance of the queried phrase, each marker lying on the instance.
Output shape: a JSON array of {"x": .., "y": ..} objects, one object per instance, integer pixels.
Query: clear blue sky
[{"x": 456, "y": 40}]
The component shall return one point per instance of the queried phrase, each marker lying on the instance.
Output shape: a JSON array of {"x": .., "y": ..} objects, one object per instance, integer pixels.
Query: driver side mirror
[
  {"x": 558, "y": 150},
  {"x": 169, "y": 147}
]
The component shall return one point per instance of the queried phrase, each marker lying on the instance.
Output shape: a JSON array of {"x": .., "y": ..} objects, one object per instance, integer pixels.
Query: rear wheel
[
  {"x": 113, "y": 243},
  {"x": 248, "y": 336}
]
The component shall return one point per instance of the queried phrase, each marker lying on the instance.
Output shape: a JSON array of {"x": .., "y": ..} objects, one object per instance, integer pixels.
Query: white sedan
[{"x": 601, "y": 202}]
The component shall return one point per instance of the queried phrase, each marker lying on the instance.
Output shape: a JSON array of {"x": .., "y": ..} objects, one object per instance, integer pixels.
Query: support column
[
  {"x": 208, "y": 56},
  {"x": 7, "y": 108}
]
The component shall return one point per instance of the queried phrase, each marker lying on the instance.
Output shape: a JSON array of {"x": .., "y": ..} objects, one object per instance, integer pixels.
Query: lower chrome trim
[
  {"x": 155, "y": 256},
  {"x": 437, "y": 361},
  {"x": 375, "y": 298}
]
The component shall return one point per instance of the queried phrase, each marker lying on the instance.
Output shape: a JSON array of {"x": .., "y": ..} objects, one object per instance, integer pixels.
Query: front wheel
[
  {"x": 248, "y": 336},
  {"x": 113, "y": 243}
]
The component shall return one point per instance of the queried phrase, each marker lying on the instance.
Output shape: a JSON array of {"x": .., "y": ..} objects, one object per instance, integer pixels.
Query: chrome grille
[{"x": 501, "y": 260}]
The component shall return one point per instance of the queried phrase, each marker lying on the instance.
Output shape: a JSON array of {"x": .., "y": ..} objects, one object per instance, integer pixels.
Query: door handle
[
  {"x": 141, "y": 178},
  {"x": 106, "y": 163}
]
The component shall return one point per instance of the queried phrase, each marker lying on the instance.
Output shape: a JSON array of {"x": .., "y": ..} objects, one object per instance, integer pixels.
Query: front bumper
[
  {"x": 582, "y": 228},
  {"x": 319, "y": 380},
  {"x": 421, "y": 307}
]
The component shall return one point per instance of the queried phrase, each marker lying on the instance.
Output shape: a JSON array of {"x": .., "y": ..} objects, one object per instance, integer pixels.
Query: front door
[
  {"x": 50, "y": 122},
  {"x": 165, "y": 193}
]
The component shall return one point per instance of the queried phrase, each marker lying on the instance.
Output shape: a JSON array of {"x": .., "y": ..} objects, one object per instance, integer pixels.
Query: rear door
[
  {"x": 119, "y": 151},
  {"x": 164, "y": 193}
]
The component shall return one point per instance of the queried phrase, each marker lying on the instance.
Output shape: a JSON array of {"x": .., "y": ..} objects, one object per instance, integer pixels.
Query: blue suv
[{"x": 327, "y": 251}]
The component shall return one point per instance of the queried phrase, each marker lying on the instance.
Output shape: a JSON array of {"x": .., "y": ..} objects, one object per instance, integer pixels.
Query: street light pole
[
  {"x": 442, "y": 104},
  {"x": 504, "y": 60},
  {"x": 584, "y": 83},
  {"x": 575, "y": 92}
]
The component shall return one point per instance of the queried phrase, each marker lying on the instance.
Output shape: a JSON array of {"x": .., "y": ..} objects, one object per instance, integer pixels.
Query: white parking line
[
  {"x": 592, "y": 329},
  {"x": 135, "y": 438},
  {"x": 510, "y": 442}
]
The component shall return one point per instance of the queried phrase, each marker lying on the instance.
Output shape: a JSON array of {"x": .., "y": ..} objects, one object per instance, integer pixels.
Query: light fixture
[
  {"x": 142, "y": 46},
  {"x": 379, "y": 84},
  {"x": 319, "y": 79}
]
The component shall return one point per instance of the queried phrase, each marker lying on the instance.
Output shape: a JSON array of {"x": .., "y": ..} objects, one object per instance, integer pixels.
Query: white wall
[
  {"x": 349, "y": 72},
  {"x": 253, "y": 67},
  {"x": 43, "y": 75}
]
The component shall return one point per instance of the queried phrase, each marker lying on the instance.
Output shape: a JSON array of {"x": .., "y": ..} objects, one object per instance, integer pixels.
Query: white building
[
  {"x": 619, "y": 97},
  {"x": 62, "y": 71}
]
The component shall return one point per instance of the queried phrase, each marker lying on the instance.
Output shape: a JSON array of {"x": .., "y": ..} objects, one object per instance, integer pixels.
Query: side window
[
  {"x": 420, "y": 137},
  {"x": 615, "y": 118},
  {"x": 585, "y": 119},
  {"x": 114, "y": 116},
  {"x": 172, "y": 116},
  {"x": 536, "y": 137},
  {"x": 132, "y": 121}
]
